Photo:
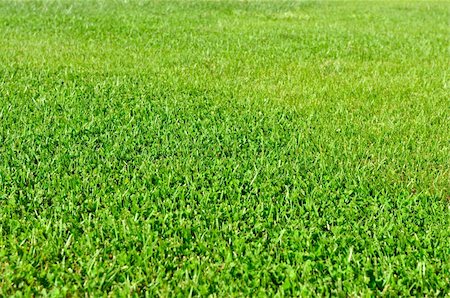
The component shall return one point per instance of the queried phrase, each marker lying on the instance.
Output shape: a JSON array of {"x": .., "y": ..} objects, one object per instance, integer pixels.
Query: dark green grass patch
[{"x": 233, "y": 148}]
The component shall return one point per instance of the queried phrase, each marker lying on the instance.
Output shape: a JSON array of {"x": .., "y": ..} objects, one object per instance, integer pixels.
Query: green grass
[{"x": 233, "y": 148}]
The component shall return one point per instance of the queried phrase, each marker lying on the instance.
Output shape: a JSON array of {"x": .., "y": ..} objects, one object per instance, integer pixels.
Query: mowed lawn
[{"x": 227, "y": 148}]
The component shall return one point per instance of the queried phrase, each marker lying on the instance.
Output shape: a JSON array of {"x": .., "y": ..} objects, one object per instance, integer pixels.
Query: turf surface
[{"x": 232, "y": 148}]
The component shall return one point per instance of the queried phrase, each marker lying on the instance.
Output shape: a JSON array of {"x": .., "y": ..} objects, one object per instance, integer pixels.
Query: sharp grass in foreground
[{"x": 224, "y": 147}]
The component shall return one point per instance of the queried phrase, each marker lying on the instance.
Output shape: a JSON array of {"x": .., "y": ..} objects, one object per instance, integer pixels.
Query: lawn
[{"x": 225, "y": 148}]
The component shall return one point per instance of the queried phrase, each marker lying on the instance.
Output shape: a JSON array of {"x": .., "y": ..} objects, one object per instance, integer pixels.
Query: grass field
[{"x": 232, "y": 148}]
